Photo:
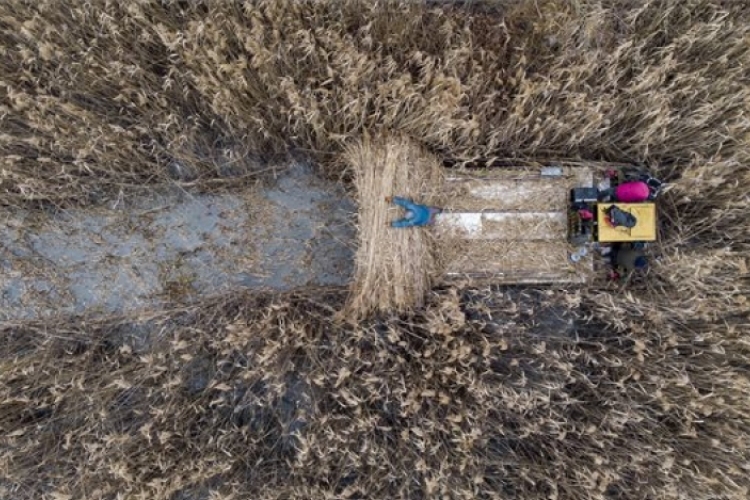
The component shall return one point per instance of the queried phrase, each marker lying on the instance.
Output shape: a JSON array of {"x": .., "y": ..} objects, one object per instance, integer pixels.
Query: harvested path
[{"x": 175, "y": 247}]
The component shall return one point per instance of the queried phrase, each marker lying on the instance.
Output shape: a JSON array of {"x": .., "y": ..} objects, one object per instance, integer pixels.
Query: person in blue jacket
[{"x": 416, "y": 215}]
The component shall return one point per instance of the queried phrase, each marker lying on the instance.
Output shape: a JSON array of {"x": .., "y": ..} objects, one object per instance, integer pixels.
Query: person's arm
[
  {"x": 405, "y": 203},
  {"x": 401, "y": 223}
]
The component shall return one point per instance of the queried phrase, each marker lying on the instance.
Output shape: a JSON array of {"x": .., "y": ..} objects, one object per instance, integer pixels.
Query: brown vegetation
[
  {"x": 395, "y": 268},
  {"x": 482, "y": 393},
  {"x": 498, "y": 256},
  {"x": 477, "y": 396},
  {"x": 514, "y": 188}
]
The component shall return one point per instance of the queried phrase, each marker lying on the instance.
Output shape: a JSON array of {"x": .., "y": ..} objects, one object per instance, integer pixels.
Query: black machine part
[
  {"x": 654, "y": 187},
  {"x": 580, "y": 230},
  {"x": 584, "y": 195},
  {"x": 621, "y": 218}
]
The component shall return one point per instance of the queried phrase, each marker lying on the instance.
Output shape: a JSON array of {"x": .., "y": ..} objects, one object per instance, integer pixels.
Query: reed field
[{"x": 637, "y": 391}]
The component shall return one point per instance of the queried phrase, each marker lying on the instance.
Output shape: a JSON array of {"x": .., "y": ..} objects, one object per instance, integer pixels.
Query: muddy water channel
[{"x": 174, "y": 246}]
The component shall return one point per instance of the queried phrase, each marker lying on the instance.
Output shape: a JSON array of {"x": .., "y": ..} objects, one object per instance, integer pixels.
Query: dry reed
[
  {"x": 268, "y": 398},
  {"x": 485, "y": 392},
  {"x": 394, "y": 267},
  {"x": 504, "y": 256},
  {"x": 512, "y": 188}
]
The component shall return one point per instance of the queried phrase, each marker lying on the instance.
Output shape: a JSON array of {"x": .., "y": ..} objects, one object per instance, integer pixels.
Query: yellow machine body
[{"x": 644, "y": 230}]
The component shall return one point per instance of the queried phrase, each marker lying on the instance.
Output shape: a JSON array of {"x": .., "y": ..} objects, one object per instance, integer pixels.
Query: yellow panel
[{"x": 644, "y": 230}]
